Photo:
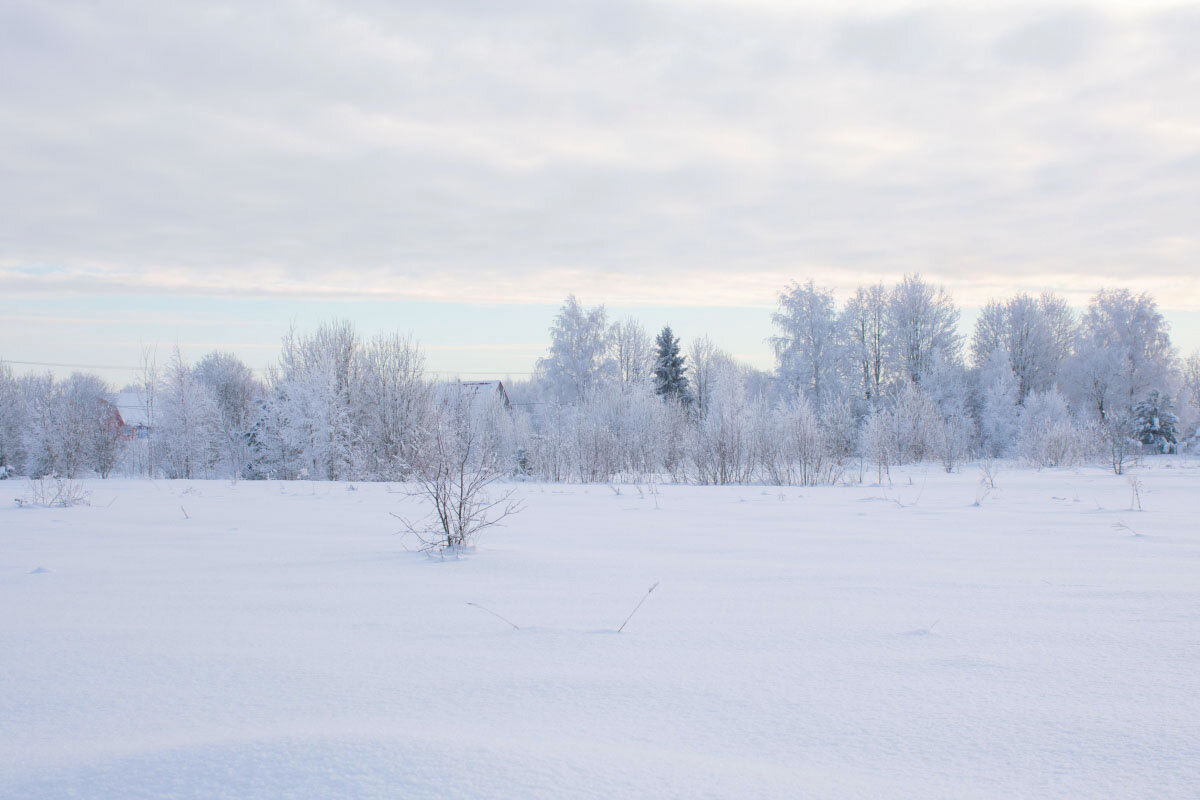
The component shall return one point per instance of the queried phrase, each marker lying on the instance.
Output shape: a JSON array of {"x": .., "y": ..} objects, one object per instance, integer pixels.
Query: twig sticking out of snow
[
  {"x": 494, "y": 614},
  {"x": 1135, "y": 486},
  {"x": 639, "y": 605},
  {"x": 1124, "y": 526},
  {"x": 185, "y": 514}
]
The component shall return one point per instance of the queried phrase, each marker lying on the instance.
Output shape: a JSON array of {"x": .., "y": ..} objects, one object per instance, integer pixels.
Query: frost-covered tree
[
  {"x": 84, "y": 411},
  {"x": 706, "y": 358},
  {"x": 1036, "y": 335},
  {"x": 1191, "y": 378},
  {"x": 107, "y": 441},
  {"x": 998, "y": 411},
  {"x": 721, "y": 446},
  {"x": 149, "y": 379},
  {"x": 43, "y": 422},
  {"x": 864, "y": 330},
  {"x": 922, "y": 324},
  {"x": 1157, "y": 427},
  {"x": 70, "y": 426},
  {"x": 1125, "y": 351},
  {"x": 632, "y": 351},
  {"x": 806, "y": 347},
  {"x": 997, "y": 405},
  {"x": 396, "y": 401},
  {"x": 670, "y": 367},
  {"x": 234, "y": 391},
  {"x": 319, "y": 382},
  {"x": 82, "y": 399},
  {"x": 876, "y": 442},
  {"x": 954, "y": 429},
  {"x": 596, "y": 433},
  {"x": 12, "y": 424},
  {"x": 580, "y": 358},
  {"x": 189, "y": 442},
  {"x": 276, "y": 443},
  {"x": 914, "y": 418},
  {"x": 1189, "y": 406}
]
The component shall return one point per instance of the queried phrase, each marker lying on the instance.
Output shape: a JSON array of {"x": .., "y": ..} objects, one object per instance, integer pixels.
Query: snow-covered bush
[
  {"x": 1046, "y": 434},
  {"x": 913, "y": 421},
  {"x": 953, "y": 433},
  {"x": 796, "y": 447},
  {"x": 876, "y": 441},
  {"x": 721, "y": 443},
  {"x": 54, "y": 492}
]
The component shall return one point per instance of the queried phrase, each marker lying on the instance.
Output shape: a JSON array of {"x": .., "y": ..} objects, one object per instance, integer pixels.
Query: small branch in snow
[
  {"x": 1135, "y": 499},
  {"x": 1124, "y": 526},
  {"x": 185, "y": 514},
  {"x": 494, "y": 614},
  {"x": 639, "y": 605}
]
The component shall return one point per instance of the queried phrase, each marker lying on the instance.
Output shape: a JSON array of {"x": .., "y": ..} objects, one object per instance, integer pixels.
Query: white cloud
[{"x": 683, "y": 153}]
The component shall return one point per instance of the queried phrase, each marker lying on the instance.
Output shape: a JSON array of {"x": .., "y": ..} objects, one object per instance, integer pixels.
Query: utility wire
[{"x": 258, "y": 369}]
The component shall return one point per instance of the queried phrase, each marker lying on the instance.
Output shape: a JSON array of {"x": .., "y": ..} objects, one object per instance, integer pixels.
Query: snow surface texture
[{"x": 835, "y": 642}]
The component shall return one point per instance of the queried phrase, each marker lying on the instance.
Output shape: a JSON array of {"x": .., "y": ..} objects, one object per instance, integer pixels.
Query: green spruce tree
[{"x": 669, "y": 377}]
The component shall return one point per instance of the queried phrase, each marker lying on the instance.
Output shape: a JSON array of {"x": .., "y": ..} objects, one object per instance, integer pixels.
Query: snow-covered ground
[{"x": 278, "y": 641}]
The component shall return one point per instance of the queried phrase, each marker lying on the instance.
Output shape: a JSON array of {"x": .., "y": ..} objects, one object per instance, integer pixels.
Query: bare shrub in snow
[
  {"x": 1118, "y": 429},
  {"x": 877, "y": 443},
  {"x": 913, "y": 421},
  {"x": 988, "y": 471},
  {"x": 455, "y": 470},
  {"x": 796, "y": 448},
  {"x": 952, "y": 438},
  {"x": 55, "y": 492},
  {"x": 721, "y": 441},
  {"x": 1135, "y": 489}
]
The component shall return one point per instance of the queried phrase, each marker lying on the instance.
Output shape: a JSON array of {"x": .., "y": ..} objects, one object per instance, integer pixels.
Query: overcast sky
[{"x": 260, "y": 158}]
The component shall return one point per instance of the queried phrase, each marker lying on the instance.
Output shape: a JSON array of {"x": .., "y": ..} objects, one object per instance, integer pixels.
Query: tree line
[{"x": 883, "y": 379}]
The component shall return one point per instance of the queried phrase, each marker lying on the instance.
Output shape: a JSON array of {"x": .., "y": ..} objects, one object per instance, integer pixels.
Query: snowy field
[{"x": 278, "y": 641}]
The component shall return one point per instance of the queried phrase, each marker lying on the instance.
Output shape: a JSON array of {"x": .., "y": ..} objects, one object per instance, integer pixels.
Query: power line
[
  {"x": 258, "y": 369},
  {"x": 57, "y": 364},
  {"x": 460, "y": 372}
]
